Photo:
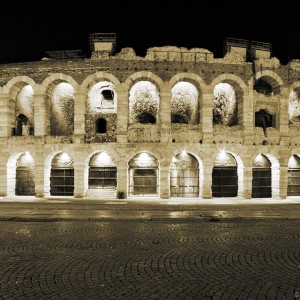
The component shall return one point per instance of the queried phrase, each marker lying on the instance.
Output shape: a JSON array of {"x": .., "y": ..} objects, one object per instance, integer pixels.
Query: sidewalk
[{"x": 216, "y": 209}]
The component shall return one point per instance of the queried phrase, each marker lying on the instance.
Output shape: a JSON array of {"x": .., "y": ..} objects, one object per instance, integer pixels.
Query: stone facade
[{"x": 69, "y": 119}]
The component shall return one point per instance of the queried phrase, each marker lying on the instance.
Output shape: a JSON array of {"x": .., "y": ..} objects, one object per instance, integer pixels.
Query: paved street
[{"x": 110, "y": 251}]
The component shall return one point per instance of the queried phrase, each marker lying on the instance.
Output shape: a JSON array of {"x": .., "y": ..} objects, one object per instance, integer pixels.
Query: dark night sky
[{"x": 29, "y": 29}]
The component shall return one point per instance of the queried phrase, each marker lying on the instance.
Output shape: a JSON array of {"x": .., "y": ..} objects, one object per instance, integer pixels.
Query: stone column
[
  {"x": 247, "y": 193},
  {"x": 3, "y": 179},
  {"x": 41, "y": 112},
  {"x": 122, "y": 112},
  {"x": 11, "y": 180},
  {"x": 122, "y": 181},
  {"x": 248, "y": 117},
  {"x": 165, "y": 113},
  {"x": 207, "y": 179},
  {"x": 5, "y": 111},
  {"x": 39, "y": 178},
  {"x": 206, "y": 116},
  {"x": 79, "y": 114},
  {"x": 283, "y": 181},
  {"x": 164, "y": 181},
  {"x": 283, "y": 117},
  {"x": 79, "y": 179}
]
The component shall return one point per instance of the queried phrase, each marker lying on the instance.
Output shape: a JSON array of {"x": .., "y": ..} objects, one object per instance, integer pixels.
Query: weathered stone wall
[
  {"x": 164, "y": 67},
  {"x": 90, "y": 127}
]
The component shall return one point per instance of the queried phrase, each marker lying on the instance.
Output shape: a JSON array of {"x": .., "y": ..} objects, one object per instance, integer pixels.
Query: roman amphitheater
[{"x": 176, "y": 123}]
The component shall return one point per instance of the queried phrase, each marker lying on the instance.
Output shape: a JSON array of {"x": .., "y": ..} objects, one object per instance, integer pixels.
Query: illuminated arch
[
  {"x": 143, "y": 170},
  {"x": 184, "y": 176},
  {"x": 62, "y": 175}
]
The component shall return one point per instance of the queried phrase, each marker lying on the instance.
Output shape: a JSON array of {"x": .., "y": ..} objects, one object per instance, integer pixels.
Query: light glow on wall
[
  {"x": 104, "y": 158},
  {"x": 261, "y": 161},
  {"x": 62, "y": 159},
  {"x": 62, "y": 109},
  {"x": 224, "y": 104},
  {"x": 96, "y": 100},
  {"x": 184, "y": 103},
  {"x": 25, "y": 160},
  {"x": 25, "y": 103},
  {"x": 294, "y": 107},
  {"x": 294, "y": 162},
  {"x": 224, "y": 159},
  {"x": 143, "y": 98}
]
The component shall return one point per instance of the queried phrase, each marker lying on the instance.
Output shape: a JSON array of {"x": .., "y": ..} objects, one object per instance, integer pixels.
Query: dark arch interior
[
  {"x": 146, "y": 118},
  {"x": 108, "y": 94},
  {"x": 178, "y": 118},
  {"x": 263, "y": 119},
  {"x": 263, "y": 87},
  {"x": 100, "y": 125}
]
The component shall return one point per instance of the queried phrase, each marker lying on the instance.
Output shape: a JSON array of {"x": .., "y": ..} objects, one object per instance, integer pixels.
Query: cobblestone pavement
[{"x": 141, "y": 259}]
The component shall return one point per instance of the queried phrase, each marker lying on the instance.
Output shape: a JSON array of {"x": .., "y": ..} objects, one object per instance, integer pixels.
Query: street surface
[{"x": 205, "y": 258}]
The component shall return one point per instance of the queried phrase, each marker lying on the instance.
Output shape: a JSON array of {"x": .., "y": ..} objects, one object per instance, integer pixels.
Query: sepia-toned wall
[{"x": 88, "y": 106}]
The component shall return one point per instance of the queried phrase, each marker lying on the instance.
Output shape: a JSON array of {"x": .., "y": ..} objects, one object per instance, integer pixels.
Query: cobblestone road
[{"x": 253, "y": 259}]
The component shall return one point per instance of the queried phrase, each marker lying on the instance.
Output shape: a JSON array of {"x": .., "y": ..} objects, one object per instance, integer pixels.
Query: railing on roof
[
  {"x": 103, "y": 37},
  {"x": 261, "y": 46},
  {"x": 237, "y": 42},
  {"x": 62, "y": 54}
]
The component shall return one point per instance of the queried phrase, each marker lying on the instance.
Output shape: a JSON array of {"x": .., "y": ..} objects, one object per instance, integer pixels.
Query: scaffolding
[
  {"x": 251, "y": 49},
  {"x": 102, "y": 38}
]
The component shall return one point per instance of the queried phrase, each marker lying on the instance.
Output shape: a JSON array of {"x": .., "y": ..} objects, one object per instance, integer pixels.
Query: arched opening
[
  {"x": 262, "y": 86},
  {"x": 22, "y": 109},
  {"x": 61, "y": 109},
  {"x": 293, "y": 188},
  {"x": 185, "y": 103},
  {"x": 62, "y": 175},
  {"x": 101, "y": 125},
  {"x": 261, "y": 177},
  {"x": 224, "y": 176},
  {"x": 225, "y": 105},
  {"x": 184, "y": 176},
  {"x": 102, "y": 96},
  {"x": 107, "y": 98},
  {"x": 143, "y": 103},
  {"x": 294, "y": 107},
  {"x": 22, "y": 125},
  {"x": 25, "y": 175},
  {"x": 102, "y": 173},
  {"x": 143, "y": 174},
  {"x": 263, "y": 119}
]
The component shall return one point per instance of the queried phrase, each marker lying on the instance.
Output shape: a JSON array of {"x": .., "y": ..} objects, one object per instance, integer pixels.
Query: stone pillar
[
  {"x": 165, "y": 113},
  {"x": 122, "y": 112},
  {"x": 3, "y": 179},
  {"x": 283, "y": 181},
  {"x": 5, "y": 111},
  {"x": 247, "y": 193},
  {"x": 164, "y": 183},
  {"x": 122, "y": 181},
  {"x": 248, "y": 118},
  {"x": 11, "y": 179},
  {"x": 207, "y": 180},
  {"x": 206, "y": 116},
  {"x": 39, "y": 179},
  {"x": 79, "y": 114},
  {"x": 283, "y": 117},
  {"x": 41, "y": 113},
  {"x": 80, "y": 179}
]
